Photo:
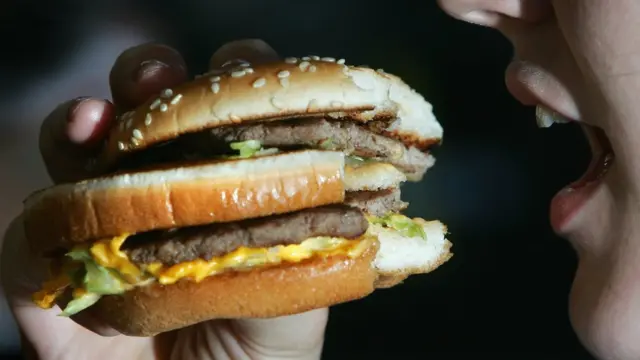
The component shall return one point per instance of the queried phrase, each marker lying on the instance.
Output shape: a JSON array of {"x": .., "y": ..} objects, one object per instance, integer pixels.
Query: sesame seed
[
  {"x": 167, "y": 93},
  {"x": 238, "y": 73},
  {"x": 313, "y": 104},
  {"x": 121, "y": 145},
  {"x": 328, "y": 59},
  {"x": 129, "y": 121},
  {"x": 147, "y": 120},
  {"x": 341, "y": 61},
  {"x": 249, "y": 70},
  {"x": 163, "y": 107},
  {"x": 304, "y": 65},
  {"x": 283, "y": 74},
  {"x": 381, "y": 71},
  {"x": 135, "y": 141},
  {"x": 312, "y": 68},
  {"x": 229, "y": 62},
  {"x": 315, "y": 57},
  {"x": 306, "y": 58},
  {"x": 277, "y": 103},
  {"x": 260, "y": 82},
  {"x": 235, "y": 119},
  {"x": 215, "y": 87},
  {"x": 137, "y": 134},
  {"x": 284, "y": 82},
  {"x": 176, "y": 99},
  {"x": 155, "y": 104},
  {"x": 244, "y": 65},
  {"x": 214, "y": 78},
  {"x": 290, "y": 60}
]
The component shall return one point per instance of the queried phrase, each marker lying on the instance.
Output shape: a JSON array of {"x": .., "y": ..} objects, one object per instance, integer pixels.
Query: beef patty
[
  {"x": 376, "y": 203},
  {"x": 346, "y": 136},
  {"x": 206, "y": 242}
]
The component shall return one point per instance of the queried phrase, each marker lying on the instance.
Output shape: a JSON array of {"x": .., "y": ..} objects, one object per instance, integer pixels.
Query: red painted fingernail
[
  {"x": 85, "y": 119},
  {"x": 74, "y": 107}
]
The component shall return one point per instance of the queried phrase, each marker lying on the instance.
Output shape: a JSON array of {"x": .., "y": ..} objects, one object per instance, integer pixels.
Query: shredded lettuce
[
  {"x": 97, "y": 279},
  {"x": 400, "y": 223},
  {"x": 80, "y": 303},
  {"x": 250, "y": 148},
  {"x": 247, "y": 148},
  {"x": 327, "y": 144},
  {"x": 356, "y": 161},
  {"x": 94, "y": 279}
]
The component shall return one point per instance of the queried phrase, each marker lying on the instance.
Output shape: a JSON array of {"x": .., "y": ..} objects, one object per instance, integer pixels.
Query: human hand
[{"x": 68, "y": 141}]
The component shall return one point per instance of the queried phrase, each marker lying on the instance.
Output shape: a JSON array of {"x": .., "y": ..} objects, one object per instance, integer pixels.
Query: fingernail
[
  {"x": 74, "y": 107},
  {"x": 148, "y": 68},
  {"x": 249, "y": 50},
  {"x": 84, "y": 120}
]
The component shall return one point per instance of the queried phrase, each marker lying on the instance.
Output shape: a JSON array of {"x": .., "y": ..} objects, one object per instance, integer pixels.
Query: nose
[{"x": 494, "y": 13}]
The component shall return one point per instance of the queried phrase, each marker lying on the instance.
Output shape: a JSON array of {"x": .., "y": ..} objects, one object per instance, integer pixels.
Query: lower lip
[{"x": 568, "y": 202}]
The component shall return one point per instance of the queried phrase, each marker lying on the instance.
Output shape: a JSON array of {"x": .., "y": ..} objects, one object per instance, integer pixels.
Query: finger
[
  {"x": 252, "y": 51},
  {"x": 21, "y": 272},
  {"x": 70, "y": 137},
  {"x": 296, "y": 336},
  {"x": 20, "y": 282},
  {"x": 143, "y": 71}
]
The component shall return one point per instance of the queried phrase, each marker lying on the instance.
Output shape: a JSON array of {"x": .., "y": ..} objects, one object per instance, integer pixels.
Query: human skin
[
  {"x": 68, "y": 140},
  {"x": 581, "y": 58}
]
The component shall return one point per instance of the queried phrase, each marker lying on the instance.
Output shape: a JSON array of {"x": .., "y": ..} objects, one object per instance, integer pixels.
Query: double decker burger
[{"x": 254, "y": 192}]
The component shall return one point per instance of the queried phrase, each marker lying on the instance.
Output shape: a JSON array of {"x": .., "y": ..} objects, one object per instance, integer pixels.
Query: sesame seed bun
[{"x": 282, "y": 90}]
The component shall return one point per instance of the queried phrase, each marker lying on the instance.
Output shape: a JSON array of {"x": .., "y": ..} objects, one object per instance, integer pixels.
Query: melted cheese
[
  {"x": 246, "y": 258},
  {"x": 107, "y": 253},
  {"x": 51, "y": 290}
]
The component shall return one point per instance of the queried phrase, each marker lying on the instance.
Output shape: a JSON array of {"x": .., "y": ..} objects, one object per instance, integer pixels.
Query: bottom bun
[{"x": 264, "y": 293}]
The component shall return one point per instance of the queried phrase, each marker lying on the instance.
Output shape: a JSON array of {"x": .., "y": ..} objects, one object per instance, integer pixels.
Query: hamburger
[{"x": 250, "y": 192}]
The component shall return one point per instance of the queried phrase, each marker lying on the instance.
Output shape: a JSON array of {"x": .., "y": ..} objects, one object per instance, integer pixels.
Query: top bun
[{"x": 290, "y": 88}]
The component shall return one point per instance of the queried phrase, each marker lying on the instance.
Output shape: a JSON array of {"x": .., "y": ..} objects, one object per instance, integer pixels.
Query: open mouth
[{"x": 569, "y": 200}]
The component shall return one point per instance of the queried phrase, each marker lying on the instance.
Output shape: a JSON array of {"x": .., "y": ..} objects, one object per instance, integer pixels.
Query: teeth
[{"x": 546, "y": 117}]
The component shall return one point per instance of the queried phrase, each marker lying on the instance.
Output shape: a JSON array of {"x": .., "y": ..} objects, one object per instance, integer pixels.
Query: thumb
[{"x": 299, "y": 336}]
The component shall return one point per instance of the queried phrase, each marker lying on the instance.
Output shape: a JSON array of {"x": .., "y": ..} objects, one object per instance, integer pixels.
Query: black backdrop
[{"x": 505, "y": 291}]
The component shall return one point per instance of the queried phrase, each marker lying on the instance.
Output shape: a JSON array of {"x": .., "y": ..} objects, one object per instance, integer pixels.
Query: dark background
[{"x": 505, "y": 291}]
